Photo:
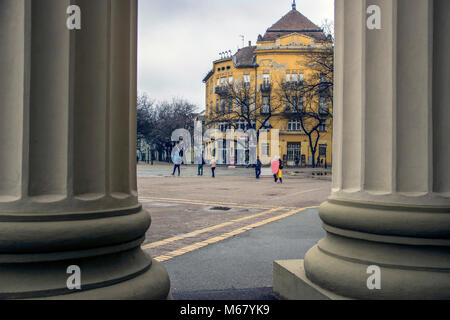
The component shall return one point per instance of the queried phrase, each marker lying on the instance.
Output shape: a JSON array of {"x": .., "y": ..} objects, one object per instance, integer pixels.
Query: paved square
[{"x": 191, "y": 212}]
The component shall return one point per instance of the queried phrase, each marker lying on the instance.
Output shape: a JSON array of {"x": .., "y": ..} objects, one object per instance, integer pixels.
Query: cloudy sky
[{"x": 179, "y": 39}]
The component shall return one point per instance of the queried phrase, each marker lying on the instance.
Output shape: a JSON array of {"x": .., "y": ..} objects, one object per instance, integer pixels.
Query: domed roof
[{"x": 294, "y": 22}]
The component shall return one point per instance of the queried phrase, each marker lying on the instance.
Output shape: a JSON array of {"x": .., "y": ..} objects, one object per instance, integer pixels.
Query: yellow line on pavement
[
  {"x": 227, "y": 235},
  {"x": 197, "y": 232},
  {"x": 198, "y": 200},
  {"x": 206, "y": 203}
]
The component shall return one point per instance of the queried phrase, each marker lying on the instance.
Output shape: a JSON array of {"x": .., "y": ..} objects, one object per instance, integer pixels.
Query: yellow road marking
[
  {"x": 227, "y": 235},
  {"x": 206, "y": 203},
  {"x": 190, "y": 200},
  {"x": 197, "y": 232}
]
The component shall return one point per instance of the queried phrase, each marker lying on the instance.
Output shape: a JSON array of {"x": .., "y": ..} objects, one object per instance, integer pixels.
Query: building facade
[{"x": 268, "y": 79}]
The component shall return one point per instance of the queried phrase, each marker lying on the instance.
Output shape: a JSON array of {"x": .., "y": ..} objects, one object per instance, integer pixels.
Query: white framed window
[
  {"x": 230, "y": 80},
  {"x": 288, "y": 77},
  {"x": 294, "y": 78},
  {"x": 246, "y": 80},
  {"x": 265, "y": 149},
  {"x": 294, "y": 126},
  {"x": 266, "y": 104},
  {"x": 266, "y": 78},
  {"x": 323, "y": 126},
  {"x": 322, "y": 103}
]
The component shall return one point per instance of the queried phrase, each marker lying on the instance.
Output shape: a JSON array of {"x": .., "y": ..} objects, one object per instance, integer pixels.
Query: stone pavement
[{"x": 191, "y": 215}]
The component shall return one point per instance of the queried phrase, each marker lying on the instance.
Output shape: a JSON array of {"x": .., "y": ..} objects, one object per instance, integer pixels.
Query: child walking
[
  {"x": 213, "y": 167},
  {"x": 280, "y": 172}
]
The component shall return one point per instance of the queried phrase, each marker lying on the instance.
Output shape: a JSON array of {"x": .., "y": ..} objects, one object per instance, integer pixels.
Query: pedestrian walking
[
  {"x": 200, "y": 167},
  {"x": 280, "y": 172},
  {"x": 258, "y": 168},
  {"x": 177, "y": 163},
  {"x": 275, "y": 169},
  {"x": 213, "y": 167}
]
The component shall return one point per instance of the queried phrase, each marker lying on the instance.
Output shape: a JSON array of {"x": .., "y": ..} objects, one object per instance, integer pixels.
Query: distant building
[{"x": 278, "y": 59}]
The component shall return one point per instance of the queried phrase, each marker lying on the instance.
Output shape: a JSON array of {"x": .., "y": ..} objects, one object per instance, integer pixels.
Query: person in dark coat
[{"x": 258, "y": 168}]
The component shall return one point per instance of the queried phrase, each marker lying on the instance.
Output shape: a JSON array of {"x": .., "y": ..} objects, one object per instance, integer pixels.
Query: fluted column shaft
[
  {"x": 390, "y": 204},
  {"x": 68, "y": 191}
]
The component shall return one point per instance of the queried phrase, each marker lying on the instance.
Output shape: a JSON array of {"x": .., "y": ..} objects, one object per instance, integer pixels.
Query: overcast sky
[{"x": 179, "y": 39}]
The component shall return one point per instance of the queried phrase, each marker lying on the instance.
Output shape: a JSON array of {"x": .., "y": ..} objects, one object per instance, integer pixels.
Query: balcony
[
  {"x": 292, "y": 85},
  {"x": 222, "y": 90},
  {"x": 323, "y": 111},
  {"x": 324, "y": 90},
  {"x": 266, "y": 87}
]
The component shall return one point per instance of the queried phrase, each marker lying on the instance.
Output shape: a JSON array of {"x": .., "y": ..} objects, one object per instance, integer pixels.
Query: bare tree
[
  {"x": 242, "y": 106},
  {"x": 310, "y": 101},
  {"x": 170, "y": 116},
  {"x": 157, "y": 121},
  {"x": 145, "y": 116}
]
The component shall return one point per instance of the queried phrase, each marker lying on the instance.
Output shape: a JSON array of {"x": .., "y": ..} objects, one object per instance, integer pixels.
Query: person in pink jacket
[{"x": 275, "y": 169}]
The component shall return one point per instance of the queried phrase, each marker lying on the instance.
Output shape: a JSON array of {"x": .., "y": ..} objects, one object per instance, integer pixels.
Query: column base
[
  {"x": 412, "y": 265},
  {"x": 153, "y": 284},
  {"x": 290, "y": 283}
]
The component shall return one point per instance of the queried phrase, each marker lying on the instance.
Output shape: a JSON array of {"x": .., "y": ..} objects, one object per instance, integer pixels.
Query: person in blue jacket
[{"x": 177, "y": 163}]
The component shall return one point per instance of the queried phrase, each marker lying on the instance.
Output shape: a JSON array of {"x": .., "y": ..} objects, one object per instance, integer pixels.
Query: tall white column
[
  {"x": 390, "y": 205},
  {"x": 68, "y": 191}
]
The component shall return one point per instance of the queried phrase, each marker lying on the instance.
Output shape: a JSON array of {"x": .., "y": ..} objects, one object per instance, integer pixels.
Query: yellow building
[{"x": 283, "y": 57}]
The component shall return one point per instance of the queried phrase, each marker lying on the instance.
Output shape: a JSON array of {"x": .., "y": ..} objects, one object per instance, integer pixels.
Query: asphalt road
[{"x": 240, "y": 268}]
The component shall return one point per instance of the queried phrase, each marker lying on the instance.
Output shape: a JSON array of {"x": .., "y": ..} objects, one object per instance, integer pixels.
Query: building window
[
  {"x": 223, "y": 126},
  {"x": 288, "y": 78},
  {"x": 266, "y": 79},
  {"x": 323, "y": 78},
  {"x": 294, "y": 126},
  {"x": 266, "y": 104},
  {"x": 294, "y": 151},
  {"x": 266, "y": 125},
  {"x": 323, "y": 150},
  {"x": 323, "y": 106},
  {"x": 246, "y": 80},
  {"x": 294, "y": 102},
  {"x": 323, "y": 126},
  {"x": 265, "y": 149},
  {"x": 240, "y": 125},
  {"x": 294, "y": 78},
  {"x": 230, "y": 81}
]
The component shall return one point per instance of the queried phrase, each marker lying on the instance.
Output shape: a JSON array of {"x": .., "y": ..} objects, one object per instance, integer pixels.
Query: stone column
[
  {"x": 68, "y": 191},
  {"x": 390, "y": 204}
]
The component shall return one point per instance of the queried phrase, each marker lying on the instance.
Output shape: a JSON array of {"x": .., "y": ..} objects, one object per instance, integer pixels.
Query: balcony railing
[
  {"x": 323, "y": 111},
  {"x": 222, "y": 90},
  {"x": 292, "y": 84},
  {"x": 266, "y": 87}
]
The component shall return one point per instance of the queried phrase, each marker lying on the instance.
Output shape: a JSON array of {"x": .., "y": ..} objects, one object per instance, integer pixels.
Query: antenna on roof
[{"x": 294, "y": 6}]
